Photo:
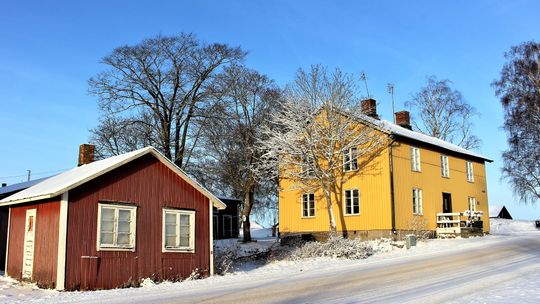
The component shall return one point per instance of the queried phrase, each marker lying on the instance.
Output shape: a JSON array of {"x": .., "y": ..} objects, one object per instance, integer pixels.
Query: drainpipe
[{"x": 392, "y": 200}]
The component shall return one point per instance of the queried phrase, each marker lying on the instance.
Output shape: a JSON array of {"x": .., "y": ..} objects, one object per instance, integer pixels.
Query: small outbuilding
[
  {"x": 111, "y": 223},
  {"x": 227, "y": 221},
  {"x": 499, "y": 212}
]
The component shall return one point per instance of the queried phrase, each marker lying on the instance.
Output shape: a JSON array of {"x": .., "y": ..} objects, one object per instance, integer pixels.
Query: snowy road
[
  {"x": 493, "y": 269},
  {"x": 457, "y": 276}
]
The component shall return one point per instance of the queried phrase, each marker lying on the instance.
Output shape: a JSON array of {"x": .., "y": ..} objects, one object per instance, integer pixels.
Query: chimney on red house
[
  {"x": 403, "y": 119},
  {"x": 369, "y": 107},
  {"x": 86, "y": 154}
]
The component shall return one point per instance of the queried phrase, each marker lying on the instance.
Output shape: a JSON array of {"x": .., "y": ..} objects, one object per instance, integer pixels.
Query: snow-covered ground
[{"x": 519, "y": 285}]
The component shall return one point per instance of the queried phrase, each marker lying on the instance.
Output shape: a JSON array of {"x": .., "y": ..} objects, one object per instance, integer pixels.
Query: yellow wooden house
[{"x": 417, "y": 182}]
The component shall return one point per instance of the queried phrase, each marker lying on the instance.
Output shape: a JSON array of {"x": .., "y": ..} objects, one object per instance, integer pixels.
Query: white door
[{"x": 29, "y": 236}]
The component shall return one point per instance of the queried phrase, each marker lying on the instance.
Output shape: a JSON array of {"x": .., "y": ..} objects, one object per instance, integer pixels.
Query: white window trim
[
  {"x": 345, "y": 202},
  {"x": 469, "y": 171},
  {"x": 348, "y": 153},
  {"x": 178, "y": 212},
  {"x": 302, "y": 204},
  {"x": 133, "y": 228},
  {"x": 445, "y": 166},
  {"x": 415, "y": 159},
  {"x": 418, "y": 201},
  {"x": 472, "y": 199}
]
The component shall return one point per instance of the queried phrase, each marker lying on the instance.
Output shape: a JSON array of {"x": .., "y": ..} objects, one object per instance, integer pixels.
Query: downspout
[
  {"x": 392, "y": 199},
  {"x": 211, "y": 236}
]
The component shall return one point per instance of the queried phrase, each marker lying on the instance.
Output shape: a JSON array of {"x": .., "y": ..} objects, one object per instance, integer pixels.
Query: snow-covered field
[{"x": 519, "y": 285}]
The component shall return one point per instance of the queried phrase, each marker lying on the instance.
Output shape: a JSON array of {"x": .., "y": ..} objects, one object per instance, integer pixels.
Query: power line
[{"x": 34, "y": 173}]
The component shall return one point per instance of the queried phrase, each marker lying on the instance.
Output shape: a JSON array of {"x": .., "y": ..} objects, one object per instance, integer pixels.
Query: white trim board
[{"x": 62, "y": 243}]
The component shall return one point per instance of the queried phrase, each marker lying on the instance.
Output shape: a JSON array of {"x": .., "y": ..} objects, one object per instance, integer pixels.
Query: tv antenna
[
  {"x": 390, "y": 87},
  {"x": 363, "y": 77}
]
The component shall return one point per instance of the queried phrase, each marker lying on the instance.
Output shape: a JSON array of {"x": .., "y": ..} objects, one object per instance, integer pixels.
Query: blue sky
[{"x": 49, "y": 50}]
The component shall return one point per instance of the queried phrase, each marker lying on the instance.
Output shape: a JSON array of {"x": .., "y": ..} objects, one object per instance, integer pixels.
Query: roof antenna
[
  {"x": 390, "y": 87},
  {"x": 363, "y": 77}
]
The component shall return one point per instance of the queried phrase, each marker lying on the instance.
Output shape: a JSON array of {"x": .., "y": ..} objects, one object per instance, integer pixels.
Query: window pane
[
  {"x": 124, "y": 226},
  {"x": 106, "y": 238},
  {"x": 184, "y": 241},
  {"x": 123, "y": 239},
  {"x": 170, "y": 241},
  {"x": 170, "y": 229},
  {"x": 107, "y": 226},
  {"x": 107, "y": 214},
  {"x": 184, "y": 220},
  {"x": 170, "y": 218},
  {"x": 124, "y": 215}
]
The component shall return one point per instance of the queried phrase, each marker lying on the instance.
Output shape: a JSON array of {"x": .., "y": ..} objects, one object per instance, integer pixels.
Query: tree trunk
[
  {"x": 330, "y": 211},
  {"x": 246, "y": 226}
]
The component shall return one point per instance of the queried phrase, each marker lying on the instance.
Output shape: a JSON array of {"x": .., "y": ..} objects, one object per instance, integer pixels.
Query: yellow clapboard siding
[
  {"x": 374, "y": 186},
  {"x": 432, "y": 183}
]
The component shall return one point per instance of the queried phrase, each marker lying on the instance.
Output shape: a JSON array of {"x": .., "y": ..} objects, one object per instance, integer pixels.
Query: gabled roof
[
  {"x": 58, "y": 184},
  {"x": 21, "y": 186},
  {"x": 397, "y": 130}
]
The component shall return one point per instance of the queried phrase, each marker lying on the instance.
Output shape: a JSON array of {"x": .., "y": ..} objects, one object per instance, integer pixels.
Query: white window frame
[
  {"x": 472, "y": 203},
  {"x": 191, "y": 247},
  {"x": 133, "y": 227},
  {"x": 445, "y": 166},
  {"x": 469, "y": 171},
  {"x": 417, "y": 201},
  {"x": 415, "y": 159},
  {"x": 345, "y": 209},
  {"x": 307, "y": 207},
  {"x": 350, "y": 159}
]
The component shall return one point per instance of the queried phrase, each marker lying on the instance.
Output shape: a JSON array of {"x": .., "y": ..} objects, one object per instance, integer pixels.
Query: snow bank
[{"x": 504, "y": 226}]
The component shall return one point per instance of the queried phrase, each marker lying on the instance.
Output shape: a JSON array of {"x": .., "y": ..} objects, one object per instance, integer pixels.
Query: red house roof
[{"x": 75, "y": 177}]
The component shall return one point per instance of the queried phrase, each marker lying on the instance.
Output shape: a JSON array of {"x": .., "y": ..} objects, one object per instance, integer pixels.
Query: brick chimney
[
  {"x": 369, "y": 107},
  {"x": 403, "y": 119},
  {"x": 86, "y": 154}
]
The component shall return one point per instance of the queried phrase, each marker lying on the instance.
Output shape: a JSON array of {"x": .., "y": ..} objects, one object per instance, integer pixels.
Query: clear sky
[{"x": 49, "y": 49}]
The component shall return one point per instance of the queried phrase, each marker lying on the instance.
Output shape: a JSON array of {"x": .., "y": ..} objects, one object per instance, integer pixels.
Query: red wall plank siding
[
  {"x": 46, "y": 241},
  {"x": 150, "y": 185}
]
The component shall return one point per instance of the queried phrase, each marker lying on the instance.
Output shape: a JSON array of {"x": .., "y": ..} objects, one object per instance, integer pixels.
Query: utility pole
[
  {"x": 390, "y": 87},
  {"x": 29, "y": 172}
]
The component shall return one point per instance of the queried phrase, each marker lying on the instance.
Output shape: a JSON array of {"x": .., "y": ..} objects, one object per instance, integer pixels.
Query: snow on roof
[
  {"x": 21, "y": 186},
  {"x": 77, "y": 176},
  {"x": 494, "y": 210},
  {"x": 398, "y": 130}
]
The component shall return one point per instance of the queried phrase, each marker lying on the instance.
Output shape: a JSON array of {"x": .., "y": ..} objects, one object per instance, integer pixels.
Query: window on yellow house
[
  {"x": 417, "y": 201},
  {"x": 352, "y": 202},
  {"x": 472, "y": 203},
  {"x": 445, "y": 169},
  {"x": 350, "y": 159},
  {"x": 469, "y": 169},
  {"x": 415, "y": 159},
  {"x": 308, "y": 205}
]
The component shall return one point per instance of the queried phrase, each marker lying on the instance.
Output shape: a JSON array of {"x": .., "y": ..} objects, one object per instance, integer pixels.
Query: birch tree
[
  {"x": 519, "y": 91},
  {"x": 160, "y": 83},
  {"x": 443, "y": 113},
  {"x": 318, "y": 119}
]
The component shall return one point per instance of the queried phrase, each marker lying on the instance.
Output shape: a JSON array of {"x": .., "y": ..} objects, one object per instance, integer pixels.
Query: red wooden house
[{"x": 110, "y": 223}]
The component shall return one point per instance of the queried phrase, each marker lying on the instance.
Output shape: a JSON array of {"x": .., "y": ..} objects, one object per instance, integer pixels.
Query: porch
[{"x": 464, "y": 224}]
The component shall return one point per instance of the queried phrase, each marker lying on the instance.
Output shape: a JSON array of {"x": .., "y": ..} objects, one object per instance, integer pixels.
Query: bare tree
[
  {"x": 245, "y": 101},
  {"x": 519, "y": 91},
  {"x": 165, "y": 79},
  {"x": 444, "y": 113},
  {"x": 318, "y": 120}
]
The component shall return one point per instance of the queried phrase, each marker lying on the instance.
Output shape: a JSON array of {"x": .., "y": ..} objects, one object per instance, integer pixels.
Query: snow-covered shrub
[
  {"x": 334, "y": 247},
  {"x": 224, "y": 257},
  {"x": 418, "y": 227}
]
